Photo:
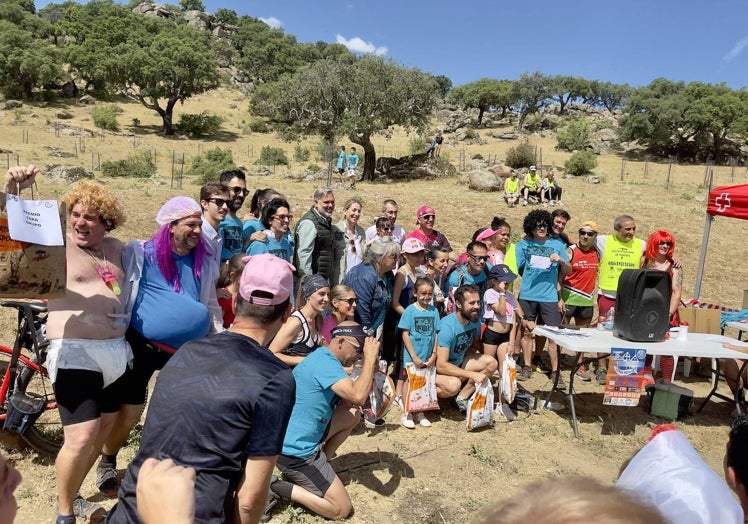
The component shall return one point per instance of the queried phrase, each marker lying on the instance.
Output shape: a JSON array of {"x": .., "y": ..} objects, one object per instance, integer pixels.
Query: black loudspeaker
[{"x": 642, "y": 305}]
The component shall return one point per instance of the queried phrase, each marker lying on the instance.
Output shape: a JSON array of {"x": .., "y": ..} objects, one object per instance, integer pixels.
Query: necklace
[{"x": 106, "y": 271}]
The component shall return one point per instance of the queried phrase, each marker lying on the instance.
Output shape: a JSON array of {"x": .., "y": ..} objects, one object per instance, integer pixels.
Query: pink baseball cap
[
  {"x": 425, "y": 210},
  {"x": 266, "y": 280},
  {"x": 412, "y": 245},
  {"x": 488, "y": 233}
]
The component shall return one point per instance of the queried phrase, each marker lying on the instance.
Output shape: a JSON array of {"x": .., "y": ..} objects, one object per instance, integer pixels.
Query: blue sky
[{"x": 631, "y": 42}]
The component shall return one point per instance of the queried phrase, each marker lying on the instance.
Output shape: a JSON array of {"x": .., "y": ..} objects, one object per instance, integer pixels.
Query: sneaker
[
  {"x": 601, "y": 375},
  {"x": 406, "y": 421},
  {"x": 524, "y": 374},
  {"x": 583, "y": 374},
  {"x": 545, "y": 204},
  {"x": 524, "y": 202},
  {"x": 88, "y": 511},
  {"x": 541, "y": 364},
  {"x": 561, "y": 384},
  {"x": 65, "y": 519},
  {"x": 352, "y": 186},
  {"x": 421, "y": 419},
  {"x": 559, "y": 203},
  {"x": 503, "y": 410},
  {"x": 271, "y": 503},
  {"x": 370, "y": 419},
  {"x": 107, "y": 481},
  {"x": 462, "y": 404},
  {"x": 552, "y": 406},
  {"x": 552, "y": 203}
]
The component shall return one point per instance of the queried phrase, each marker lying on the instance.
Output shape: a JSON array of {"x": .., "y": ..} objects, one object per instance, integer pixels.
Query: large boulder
[
  {"x": 63, "y": 115},
  {"x": 62, "y": 174},
  {"x": 199, "y": 20},
  {"x": 501, "y": 170},
  {"x": 13, "y": 104},
  {"x": 414, "y": 167},
  {"x": 155, "y": 10},
  {"x": 485, "y": 181}
]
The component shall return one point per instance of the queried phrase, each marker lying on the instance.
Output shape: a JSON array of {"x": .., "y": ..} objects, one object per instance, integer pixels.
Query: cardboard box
[{"x": 701, "y": 320}]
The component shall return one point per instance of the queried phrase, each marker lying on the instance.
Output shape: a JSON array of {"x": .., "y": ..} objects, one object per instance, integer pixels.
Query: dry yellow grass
[{"x": 396, "y": 475}]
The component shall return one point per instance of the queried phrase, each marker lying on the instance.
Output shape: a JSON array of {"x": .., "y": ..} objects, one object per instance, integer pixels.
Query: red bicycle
[{"x": 27, "y": 403}]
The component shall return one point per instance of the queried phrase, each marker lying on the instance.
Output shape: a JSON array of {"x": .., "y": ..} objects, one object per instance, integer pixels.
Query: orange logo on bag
[{"x": 7, "y": 243}]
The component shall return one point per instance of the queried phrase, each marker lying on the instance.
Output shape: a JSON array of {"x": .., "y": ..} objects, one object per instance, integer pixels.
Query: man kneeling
[
  {"x": 320, "y": 422},
  {"x": 458, "y": 356}
]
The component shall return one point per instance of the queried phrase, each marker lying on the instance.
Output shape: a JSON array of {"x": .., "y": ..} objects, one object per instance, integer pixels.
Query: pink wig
[{"x": 162, "y": 249}]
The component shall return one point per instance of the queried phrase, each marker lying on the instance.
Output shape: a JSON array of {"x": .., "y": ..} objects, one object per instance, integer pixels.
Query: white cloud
[
  {"x": 272, "y": 22},
  {"x": 736, "y": 50},
  {"x": 357, "y": 45}
]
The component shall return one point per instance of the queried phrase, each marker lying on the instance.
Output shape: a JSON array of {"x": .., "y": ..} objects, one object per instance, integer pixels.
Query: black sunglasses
[
  {"x": 350, "y": 301},
  {"x": 478, "y": 258},
  {"x": 220, "y": 202},
  {"x": 587, "y": 233},
  {"x": 239, "y": 190}
]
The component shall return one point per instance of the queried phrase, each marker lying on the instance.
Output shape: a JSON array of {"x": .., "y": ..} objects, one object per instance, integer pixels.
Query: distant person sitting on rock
[
  {"x": 435, "y": 146},
  {"x": 511, "y": 189},
  {"x": 532, "y": 186},
  {"x": 551, "y": 191}
]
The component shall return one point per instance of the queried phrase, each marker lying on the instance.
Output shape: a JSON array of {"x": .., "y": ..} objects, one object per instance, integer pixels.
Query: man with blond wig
[{"x": 86, "y": 330}]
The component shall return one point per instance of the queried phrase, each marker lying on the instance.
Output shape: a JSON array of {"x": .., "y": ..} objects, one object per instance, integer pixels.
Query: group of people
[
  {"x": 346, "y": 164},
  {"x": 533, "y": 188},
  {"x": 253, "y": 377}
]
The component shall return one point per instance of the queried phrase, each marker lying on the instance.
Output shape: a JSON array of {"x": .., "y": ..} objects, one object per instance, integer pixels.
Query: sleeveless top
[
  {"x": 512, "y": 186},
  {"x": 305, "y": 344},
  {"x": 579, "y": 286}
]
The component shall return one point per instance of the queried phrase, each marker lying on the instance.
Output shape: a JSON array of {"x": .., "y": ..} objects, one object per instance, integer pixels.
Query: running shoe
[
  {"x": 601, "y": 375},
  {"x": 88, "y": 511},
  {"x": 406, "y": 421},
  {"x": 421, "y": 420},
  {"x": 583, "y": 374},
  {"x": 106, "y": 480},
  {"x": 462, "y": 404},
  {"x": 524, "y": 374}
]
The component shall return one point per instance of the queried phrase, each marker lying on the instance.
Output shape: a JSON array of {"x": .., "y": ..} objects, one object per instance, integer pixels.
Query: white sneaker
[
  {"x": 422, "y": 420},
  {"x": 524, "y": 202},
  {"x": 407, "y": 421},
  {"x": 552, "y": 202},
  {"x": 559, "y": 203}
]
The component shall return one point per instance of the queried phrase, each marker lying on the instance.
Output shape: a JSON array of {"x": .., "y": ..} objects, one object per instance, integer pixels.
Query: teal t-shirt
[
  {"x": 422, "y": 326},
  {"x": 315, "y": 402},
  {"x": 456, "y": 337}
]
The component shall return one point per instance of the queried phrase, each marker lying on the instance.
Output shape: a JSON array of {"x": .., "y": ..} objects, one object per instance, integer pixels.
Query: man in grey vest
[{"x": 319, "y": 245}]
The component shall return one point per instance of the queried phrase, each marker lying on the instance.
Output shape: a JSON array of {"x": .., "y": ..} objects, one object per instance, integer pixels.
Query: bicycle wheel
[{"x": 45, "y": 435}]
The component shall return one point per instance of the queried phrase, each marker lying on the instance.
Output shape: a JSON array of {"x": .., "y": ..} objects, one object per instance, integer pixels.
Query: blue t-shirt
[
  {"x": 254, "y": 225},
  {"x": 341, "y": 160},
  {"x": 280, "y": 249},
  {"x": 480, "y": 280},
  {"x": 422, "y": 326},
  {"x": 218, "y": 400},
  {"x": 539, "y": 283},
  {"x": 315, "y": 402},
  {"x": 456, "y": 337},
  {"x": 352, "y": 160},
  {"x": 231, "y": 230},
  {"x": 162, "y": 314}
]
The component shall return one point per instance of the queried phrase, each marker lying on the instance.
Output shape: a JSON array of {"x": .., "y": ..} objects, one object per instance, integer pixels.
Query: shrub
[
  {"x": 138, "y": 165},
  {"x": 300, "y": 153},
  {"x": 199, "y": 124},
  {"x": 209, "y": 165},
  {"x": 470, "y": 134},
  {"x": 271, "y": 156},
  {"x": 574, "y": 137},
  {"x": 581, "y": 163},
  {"x": 257, "y": 126},
  {"x": 521, "y": 155},
  {"x": 313, "y": 168},
  {"x": 105, "y": 117},
  {"x": 417, "y": 144}
]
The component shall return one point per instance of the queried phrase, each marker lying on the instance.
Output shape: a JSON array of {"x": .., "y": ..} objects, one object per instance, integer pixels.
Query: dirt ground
[
  {"x": 440, "y": 474},
  {"x": 448, "y": 475}
]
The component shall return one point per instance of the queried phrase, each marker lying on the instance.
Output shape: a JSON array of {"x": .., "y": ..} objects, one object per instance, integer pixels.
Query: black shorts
[
  {"x": 146, "y": 361},
  {"x": 492, "y": 338},
  {"x": 584, "y": 312},
  {"x": 314, "y": 473},
  {"x": 81, "y": 395},
  {"x": 543, "y": 313},
  {"x": 341, "y": 170}
]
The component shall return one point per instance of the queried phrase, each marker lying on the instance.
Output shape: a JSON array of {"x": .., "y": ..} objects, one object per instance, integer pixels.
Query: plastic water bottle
[{"x": 610, "y": 319}]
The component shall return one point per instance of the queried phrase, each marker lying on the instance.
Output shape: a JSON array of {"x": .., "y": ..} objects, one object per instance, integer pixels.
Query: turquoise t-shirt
[
  {"x": 456, "y": 337},
  {"x": 315, "y": 402},
  {"x": 422, "y": 326},
  {"x": 280, "y": 249},
  {"x": 162, "y": 314},
  {"x": 352, "y": 161},
  {"x": 538, "y": 281},
  {"x": 231, "y": 231},
  {"x": 341, "y": 160}
]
